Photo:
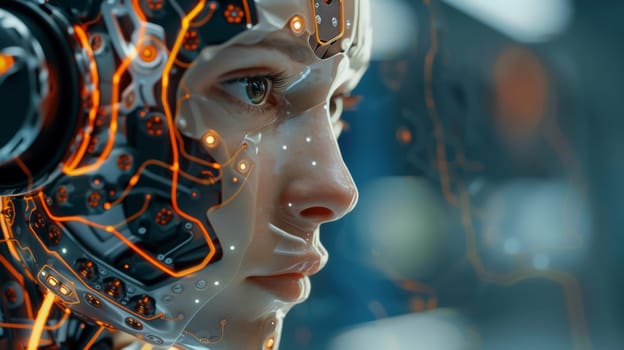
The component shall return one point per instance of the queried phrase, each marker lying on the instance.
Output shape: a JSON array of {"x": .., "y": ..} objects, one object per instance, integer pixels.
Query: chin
[{"x": 240, "y": 318}]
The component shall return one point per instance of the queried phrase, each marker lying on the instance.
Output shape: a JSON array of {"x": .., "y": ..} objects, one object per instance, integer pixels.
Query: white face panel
[
  {"x": 283, "y": 174},
  {"x": 195, "y": 222}
]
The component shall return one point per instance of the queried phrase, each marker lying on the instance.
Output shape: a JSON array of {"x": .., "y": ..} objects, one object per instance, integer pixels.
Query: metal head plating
[{"x": 185, "y": 210}]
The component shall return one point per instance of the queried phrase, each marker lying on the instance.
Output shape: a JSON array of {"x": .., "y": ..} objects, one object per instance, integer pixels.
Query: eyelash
[{"x": 279, "y": 81}]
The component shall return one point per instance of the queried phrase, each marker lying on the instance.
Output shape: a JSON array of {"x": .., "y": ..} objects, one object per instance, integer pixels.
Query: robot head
[{"x": 185, "y": 204}]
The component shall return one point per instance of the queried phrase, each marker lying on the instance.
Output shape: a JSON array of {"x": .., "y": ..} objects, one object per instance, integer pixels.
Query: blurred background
[{"x": 488, "y": 150}]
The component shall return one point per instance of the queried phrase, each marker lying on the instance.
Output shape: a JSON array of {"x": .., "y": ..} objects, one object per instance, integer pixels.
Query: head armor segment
[{"x": 127, "y": 227}]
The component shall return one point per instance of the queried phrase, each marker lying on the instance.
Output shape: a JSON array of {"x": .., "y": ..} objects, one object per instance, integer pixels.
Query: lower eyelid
[{"x": 263, "y": 109}]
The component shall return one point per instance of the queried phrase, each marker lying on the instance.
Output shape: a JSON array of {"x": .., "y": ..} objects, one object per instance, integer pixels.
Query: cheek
[{"x": 270, "y": 176}]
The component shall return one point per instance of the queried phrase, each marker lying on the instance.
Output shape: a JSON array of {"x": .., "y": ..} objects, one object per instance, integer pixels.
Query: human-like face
[
  {"x": 195, "y": 222},
  {"x": 269, "y": 112}
]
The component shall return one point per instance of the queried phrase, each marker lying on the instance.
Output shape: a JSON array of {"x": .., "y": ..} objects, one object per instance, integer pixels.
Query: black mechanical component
[
  {"x": 115, "y": 288},
  {"x": 87, "y": 269},
  {"x": 132, "y": 322},
  {"x": 93, "y": 301},
  {"x": 144, "y": 305},
  {"x": 38, "y": 83}
]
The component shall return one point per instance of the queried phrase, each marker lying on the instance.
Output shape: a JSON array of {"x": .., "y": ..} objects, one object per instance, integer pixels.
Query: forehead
[{"x": 327, "y": 23}]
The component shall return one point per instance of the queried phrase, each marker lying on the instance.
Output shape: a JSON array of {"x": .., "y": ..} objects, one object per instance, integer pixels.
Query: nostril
[{"x": 317, "y": 212}]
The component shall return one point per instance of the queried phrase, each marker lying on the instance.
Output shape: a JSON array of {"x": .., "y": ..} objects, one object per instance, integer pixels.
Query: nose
[{"x": 320, "y": 188}]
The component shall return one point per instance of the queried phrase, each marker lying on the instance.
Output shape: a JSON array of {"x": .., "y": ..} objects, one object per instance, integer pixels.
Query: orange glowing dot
[
  {"x": 269, "y": 343},
  {"x": 297, "y": 24},
  {"x": 6, "y": 62},
  {"x": 52, "y": 281},
  {"x": 243, "y": 166},
  {"x": 234, "y": 179},
  {"x": 404, "y": 135},
  {"x": 64, "y": 290},
  {"x": 210, "y": 139},
  {"x": 107, "y": 206},
  {"x": 149, "y": 53},
  {"x": 110, "y": 229}
]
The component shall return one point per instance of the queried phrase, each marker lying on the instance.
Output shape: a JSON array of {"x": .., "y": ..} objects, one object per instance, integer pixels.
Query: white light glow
[
  {"x": 523, "y": 20},
  {"x": 395, "y": 33}
]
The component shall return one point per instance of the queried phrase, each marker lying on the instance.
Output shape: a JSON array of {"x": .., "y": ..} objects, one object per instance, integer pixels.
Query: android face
[
  {"x": 238, "y": 103},
  {"x": 188, "y": 210}
]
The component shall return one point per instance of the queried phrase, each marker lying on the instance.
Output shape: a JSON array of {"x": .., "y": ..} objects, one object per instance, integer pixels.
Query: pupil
[{"x": 256, "y": 90}]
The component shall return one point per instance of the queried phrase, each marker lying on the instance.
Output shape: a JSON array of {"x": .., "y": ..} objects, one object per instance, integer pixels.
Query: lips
[{"x": 294, "y": 259}]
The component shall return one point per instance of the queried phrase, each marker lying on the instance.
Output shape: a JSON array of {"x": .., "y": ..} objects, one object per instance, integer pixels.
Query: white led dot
[
  {"x": 290, "y": 205},
  {"x": 314, "y": 163},
  {"x": 284, "y": 147},
  {"x": 196, "y": 301},
  {"x": 308, "y": 139},
  {"x": 216, "y": 283},
  {"x": 232, "y": 247},
  {"x": 64, "y": 250}
]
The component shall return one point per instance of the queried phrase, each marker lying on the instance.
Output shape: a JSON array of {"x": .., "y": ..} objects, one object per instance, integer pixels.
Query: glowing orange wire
[
  {"x": 172, "y": 137},
  {"x": 247, "y": 12},
  {"x": 112, "y": 130},
  {"x": 26, "y": 171},
  {"x": 54, "y": 327},
  {"x": 42, "y": 317},
  {"x": 94, "y": 338},
  {"x": 11, "y": 269},
  {"x": 7, "y": 232},
  {"x": 126, "y": 241},
  {"x": 20, "y": 280},
  {"x": 148, "y": 197},
  {"x": 95, "y": 102}
]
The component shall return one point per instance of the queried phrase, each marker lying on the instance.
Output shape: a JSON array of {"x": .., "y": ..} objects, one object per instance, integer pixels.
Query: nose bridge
[{"x": 321, "y": 188}]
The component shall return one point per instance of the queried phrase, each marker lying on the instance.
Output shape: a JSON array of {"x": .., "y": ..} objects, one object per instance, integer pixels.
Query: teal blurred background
[{"x": 488, "y": 150}]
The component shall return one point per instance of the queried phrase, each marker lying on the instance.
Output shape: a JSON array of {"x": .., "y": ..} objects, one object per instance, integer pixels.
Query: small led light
[
  {"x": 297, "y": 24},
  {"x": 64, "y": 250},
  {"x": 232, "y": 247},
  {"x": 6, "y": 62},
  {"x": 308, "y": 139},
  {"x": 149, "y": 53},
  {"x": 64, "y": 290},
  {"x": 290, "y": 205},
  {"x": 314, "y": 163},
  {"x": 196, "y": 301},
  {"x": 216, "y": 283},
  {"x": 284, "y": 147},
  {"x": 211, "y": 139},
  {"x": 243, "y": 166},
  {"x": 52, "y": 281},
  {"x": 269, "y": 344}
]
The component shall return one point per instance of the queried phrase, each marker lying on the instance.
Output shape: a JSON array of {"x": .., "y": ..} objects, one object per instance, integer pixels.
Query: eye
[{"x": 253, "y": 91}]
